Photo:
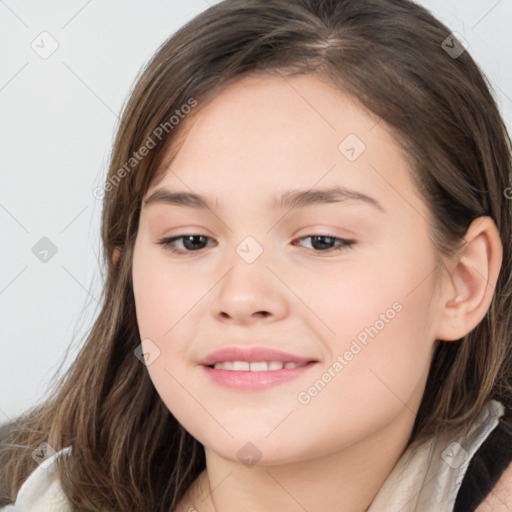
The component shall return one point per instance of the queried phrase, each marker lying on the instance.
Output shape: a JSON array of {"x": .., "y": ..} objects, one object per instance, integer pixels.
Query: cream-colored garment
[
  {"x": 426, "y": 479},
  {"x": 41, "y": 491}
]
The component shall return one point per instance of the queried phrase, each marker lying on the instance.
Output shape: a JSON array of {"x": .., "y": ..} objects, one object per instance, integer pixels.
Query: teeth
[
  {"x": 241, "y": 366},
  {"x": 257, "y": 366}
]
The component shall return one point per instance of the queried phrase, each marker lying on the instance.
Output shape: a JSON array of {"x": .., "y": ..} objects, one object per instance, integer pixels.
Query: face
[{"x": 342, "y": 282}]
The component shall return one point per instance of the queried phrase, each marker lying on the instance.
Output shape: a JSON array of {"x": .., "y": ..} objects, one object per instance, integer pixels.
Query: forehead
[{"x": 264, "y": 133}]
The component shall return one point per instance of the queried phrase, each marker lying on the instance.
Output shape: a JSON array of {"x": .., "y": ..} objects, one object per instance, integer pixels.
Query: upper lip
[{"x": 252, "y": 354}]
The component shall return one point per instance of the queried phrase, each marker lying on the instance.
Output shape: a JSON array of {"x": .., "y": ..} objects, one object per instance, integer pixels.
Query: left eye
[
  {"x": 324, "y": 243},
  {"x": 194, "y": 243}
]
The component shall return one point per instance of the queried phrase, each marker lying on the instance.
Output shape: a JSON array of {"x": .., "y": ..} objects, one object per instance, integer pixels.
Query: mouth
[
  {"x": 254, "y": 368},
  {"x": 256, "y": 378}
]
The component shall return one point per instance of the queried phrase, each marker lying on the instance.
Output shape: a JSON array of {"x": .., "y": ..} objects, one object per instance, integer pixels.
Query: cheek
[
  {"x": 344, "y": 299},
  {"x": 381, "y": 316},
  {"x": 164, "y": 297},
  {"x": 377, "y": 373},
  {"x": 162, "y": 302},
  {"x": 168, "y": 304}
]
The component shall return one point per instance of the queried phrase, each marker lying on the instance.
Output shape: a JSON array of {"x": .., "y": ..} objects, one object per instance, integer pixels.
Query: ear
[
  {"x": 115, "y": 255},
  {"x": 467, "y": 295}
]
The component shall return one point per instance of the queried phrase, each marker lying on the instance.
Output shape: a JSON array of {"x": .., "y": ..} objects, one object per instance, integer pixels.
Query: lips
[
  {"x": 244, "y": 369},
  {"x": 253, "y": 368},
  {"x": 237, "y": 356}
]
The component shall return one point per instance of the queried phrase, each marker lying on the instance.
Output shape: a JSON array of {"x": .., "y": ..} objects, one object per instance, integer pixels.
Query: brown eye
[
  {"x": 189, "y": 243},
  {"x": 325, "y": 243}
]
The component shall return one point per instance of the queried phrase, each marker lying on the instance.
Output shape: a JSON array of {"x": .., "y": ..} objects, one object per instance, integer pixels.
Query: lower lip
[{"x": 248, "y": 380}]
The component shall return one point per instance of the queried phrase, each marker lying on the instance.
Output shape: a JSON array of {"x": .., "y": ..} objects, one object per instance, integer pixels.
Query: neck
[{"x": 346, "y": 479}]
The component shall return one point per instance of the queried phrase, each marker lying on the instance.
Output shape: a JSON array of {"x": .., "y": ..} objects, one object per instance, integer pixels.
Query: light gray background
[{"x": 58, "y": 117}]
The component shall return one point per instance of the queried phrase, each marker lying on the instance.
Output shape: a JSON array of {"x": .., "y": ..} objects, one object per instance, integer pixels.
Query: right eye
[{"x": 189, "y": 243}]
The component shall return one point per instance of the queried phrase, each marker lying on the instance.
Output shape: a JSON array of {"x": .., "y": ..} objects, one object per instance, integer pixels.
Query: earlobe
[{"x": 473, "y": 278}]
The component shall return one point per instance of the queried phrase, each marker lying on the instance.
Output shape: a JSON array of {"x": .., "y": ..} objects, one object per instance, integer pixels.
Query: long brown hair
[{"x": 128, "y": 452}]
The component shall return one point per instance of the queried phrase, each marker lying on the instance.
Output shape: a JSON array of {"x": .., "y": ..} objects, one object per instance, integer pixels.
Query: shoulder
[
  {"x": 500, "y": 497},
  {"x": 41, "y": 491}
]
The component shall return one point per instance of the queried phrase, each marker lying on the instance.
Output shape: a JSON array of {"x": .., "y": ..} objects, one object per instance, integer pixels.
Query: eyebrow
[{"x": 288, "y": 200}]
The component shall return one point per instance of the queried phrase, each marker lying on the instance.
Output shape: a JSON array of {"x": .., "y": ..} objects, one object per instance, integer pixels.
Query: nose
[{"x": 249, "y": 293}]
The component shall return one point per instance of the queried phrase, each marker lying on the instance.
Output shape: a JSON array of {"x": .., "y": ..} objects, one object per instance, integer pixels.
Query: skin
[{"x": 260, "y": 137}]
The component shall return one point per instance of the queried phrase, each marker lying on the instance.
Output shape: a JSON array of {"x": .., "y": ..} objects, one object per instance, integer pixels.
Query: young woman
[{"x": 307, "y": 229}]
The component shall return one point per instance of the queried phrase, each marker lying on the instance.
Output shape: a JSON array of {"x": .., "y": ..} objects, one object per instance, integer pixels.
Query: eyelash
[{"x": 345, "y": 244}]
